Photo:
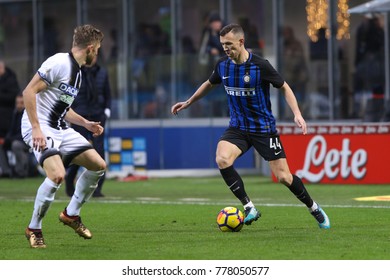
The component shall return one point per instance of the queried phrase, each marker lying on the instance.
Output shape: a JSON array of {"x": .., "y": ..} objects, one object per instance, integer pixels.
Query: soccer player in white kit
[{"x": 48, "y": 98}]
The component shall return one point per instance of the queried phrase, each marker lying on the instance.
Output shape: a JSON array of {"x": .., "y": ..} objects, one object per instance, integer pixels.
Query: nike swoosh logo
[
  {"x": 276, "y": 153},
  {"x": 225, "y": 77}
]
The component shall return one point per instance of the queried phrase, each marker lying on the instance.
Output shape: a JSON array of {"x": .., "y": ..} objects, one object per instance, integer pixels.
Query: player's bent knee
[
  {"x": 94, "y": 164},
  {"x": 283, "y": 178},
  {"x": 101, "y": 166},
  {"x": 223, "y": 162},
  {"x": 57, "y": 176}
]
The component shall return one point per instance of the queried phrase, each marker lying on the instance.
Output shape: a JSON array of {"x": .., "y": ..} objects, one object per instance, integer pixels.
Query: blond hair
[{"x": 85, "y": 35}]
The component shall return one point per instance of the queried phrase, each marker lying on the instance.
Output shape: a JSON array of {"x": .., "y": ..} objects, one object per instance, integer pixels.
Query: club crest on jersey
[
  {"x": 68, "y": 89},
  {"x": 246, "y": 79}
]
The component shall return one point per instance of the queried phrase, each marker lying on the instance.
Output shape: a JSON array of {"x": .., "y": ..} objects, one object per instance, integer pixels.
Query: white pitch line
[
  {"x": 235, "y": 203},
  {"x": 205, "y": 201}
]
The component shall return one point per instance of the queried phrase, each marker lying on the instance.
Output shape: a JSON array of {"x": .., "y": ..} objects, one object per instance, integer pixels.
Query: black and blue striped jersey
[{"x": 247, "y": 86}]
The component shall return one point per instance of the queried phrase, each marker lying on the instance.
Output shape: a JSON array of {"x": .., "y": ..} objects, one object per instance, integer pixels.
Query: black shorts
[{"x": 268, "y": 146}]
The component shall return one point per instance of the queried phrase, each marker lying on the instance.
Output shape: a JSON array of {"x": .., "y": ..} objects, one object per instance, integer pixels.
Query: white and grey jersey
[{"x": 62, "y": 75}]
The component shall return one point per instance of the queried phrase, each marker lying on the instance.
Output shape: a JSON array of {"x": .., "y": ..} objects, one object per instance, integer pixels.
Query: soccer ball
[{"x": 230, "y": 219}]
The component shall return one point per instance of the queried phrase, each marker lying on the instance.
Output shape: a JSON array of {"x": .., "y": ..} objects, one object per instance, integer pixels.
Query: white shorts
[{"x": 67, "y": 143}]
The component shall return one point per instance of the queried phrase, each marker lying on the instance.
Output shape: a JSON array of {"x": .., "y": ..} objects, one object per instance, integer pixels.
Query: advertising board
[{"x": 339, "y": 153}]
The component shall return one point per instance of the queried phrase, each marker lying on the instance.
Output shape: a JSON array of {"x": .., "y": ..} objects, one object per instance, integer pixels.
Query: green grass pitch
[{"x": 175, "y": 219}]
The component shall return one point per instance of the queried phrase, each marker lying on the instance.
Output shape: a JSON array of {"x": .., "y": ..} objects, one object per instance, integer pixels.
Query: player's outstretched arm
[
  {"x": 293, "y": 104},
  {"x": 199, "y": 93}
]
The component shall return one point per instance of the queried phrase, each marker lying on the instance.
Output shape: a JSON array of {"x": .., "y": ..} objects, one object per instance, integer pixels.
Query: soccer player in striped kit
[
  {"x": 48, "y": 98},
  {"x": 247, "y": 78}
]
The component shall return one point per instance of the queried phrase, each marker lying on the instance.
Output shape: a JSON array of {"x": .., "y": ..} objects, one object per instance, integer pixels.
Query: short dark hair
[{"x": 233, "y": 27}]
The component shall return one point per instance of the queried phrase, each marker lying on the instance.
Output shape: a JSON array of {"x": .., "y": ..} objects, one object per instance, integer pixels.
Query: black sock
[
  {"x": 299, "y": 190},
  {"x": 235, "y": 183}
]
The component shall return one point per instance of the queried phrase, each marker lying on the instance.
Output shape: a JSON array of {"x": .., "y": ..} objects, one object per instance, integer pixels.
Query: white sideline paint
[
  {"x": 171, "y": 173},
  {"x": 205, "y": 201}
]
